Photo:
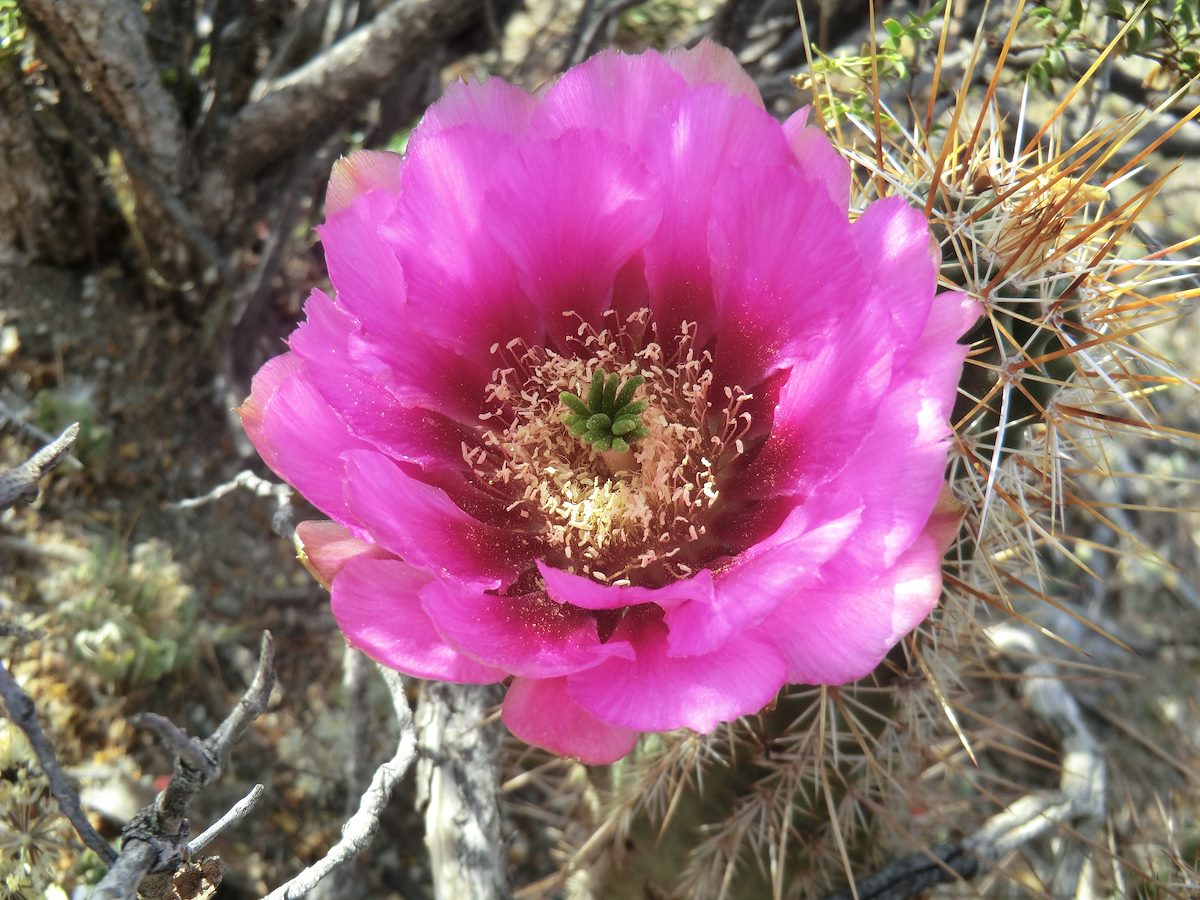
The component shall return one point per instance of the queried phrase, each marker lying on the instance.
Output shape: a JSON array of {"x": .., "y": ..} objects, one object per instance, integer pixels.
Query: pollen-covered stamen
[{"x": 620, "y": 514}]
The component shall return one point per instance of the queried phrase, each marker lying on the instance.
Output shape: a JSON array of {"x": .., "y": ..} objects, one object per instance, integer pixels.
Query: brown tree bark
[
  {"x": 198, "y": 157},
  {"x": 38, "y": 203}
]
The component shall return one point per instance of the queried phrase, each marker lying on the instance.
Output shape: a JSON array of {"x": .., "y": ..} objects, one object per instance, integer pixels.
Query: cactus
[{"x": 1067, "y": 370}]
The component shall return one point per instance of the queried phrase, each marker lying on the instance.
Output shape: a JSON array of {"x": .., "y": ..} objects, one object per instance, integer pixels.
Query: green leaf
[
  {"x": 1055, "y": 61},
  {"x": 1149, "y": 29},
  {"x": 1186, "y": 11}
]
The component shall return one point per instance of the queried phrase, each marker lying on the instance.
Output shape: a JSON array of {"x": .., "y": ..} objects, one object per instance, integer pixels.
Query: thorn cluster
[{"x": 610, "y": 419}]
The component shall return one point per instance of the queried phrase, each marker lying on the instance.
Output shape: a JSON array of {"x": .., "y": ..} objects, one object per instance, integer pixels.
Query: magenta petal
[
  {"x": 828, "y": 403},
  {"x": 364, "y": 268},
  {"x": 817, "y": 158},
  {"x": 326, "y": 343},
  {"x": 376, "y": 606},
  {"x": 895, "y": 238},
  {"x": 896, "y": 475},
  {"x": 587, "y": 593},
  {"x": 494, "y": 104},
  {"x": 362, "y": 171},
  {"x": 570, "y": 212},
  {"x": 711, "y": 130},
  {"x": 325, "y": 548},
  {"x": 530, "y": 635},
  {"x": 897, "y": 472},
  {"x": 422, "y": 525},
  {"x": 758, "y": 581},
  {"x": 840, "y": 629},
  {"x": 660, "y": 692},
  {"x": 778, "y": 291},
  {"x": 370, "y": 281},
  {"x": 824, "y": 411},
  {"x": 298, "y": 435},
  {"x": 540, "y": 712},
  {"x": 709, "y": 63},
  {"x": 626, "y": 96},
  {"x": 937, "y": 359},
  {"x": 462, "y": 288}
]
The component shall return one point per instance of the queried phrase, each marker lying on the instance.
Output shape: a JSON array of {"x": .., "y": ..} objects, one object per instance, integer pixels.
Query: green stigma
[{"x": 610, "y": 419}]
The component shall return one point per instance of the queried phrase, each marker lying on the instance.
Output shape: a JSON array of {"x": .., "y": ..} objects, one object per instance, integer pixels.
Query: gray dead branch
[
  {"x": 31, "y": 207},
  {"x": 107, "y": 45},
  {"x": 359, "y": 830},
  {"x": 21, "y": 483},
  {"x": 12, "y": 422},
  {"x": 315, "y": 96},
  {"x": 594, "y": 28},
  {"x": 281, "y": 521},
  {"x": 17, "y": 484},
  {"x": 197, "y": 166},
  {"x": 24, "y": 715},
  {"x": 458, "y": 784},
  {"x": 236, "y": 813},
  {"x": 156, "y": 840}
]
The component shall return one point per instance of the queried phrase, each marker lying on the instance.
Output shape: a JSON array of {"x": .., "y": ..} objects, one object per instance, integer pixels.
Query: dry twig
[
  {"x": 156, "y": 839},
  {"x": 236, "y": 813},
  {"x": 281, "y": 521},
  {"x": 360, "y": 828},
  {"x": 24, "y": 715},
  {"x": 21, "y": 483}
]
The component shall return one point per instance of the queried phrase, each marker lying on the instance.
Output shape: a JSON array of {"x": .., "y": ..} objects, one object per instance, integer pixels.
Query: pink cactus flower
[{"x": 614, "y": 401}]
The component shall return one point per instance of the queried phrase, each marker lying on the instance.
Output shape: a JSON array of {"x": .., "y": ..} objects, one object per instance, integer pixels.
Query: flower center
[
  {"x": 620, "y": 486},
  {"x": 610, "y": 419}
]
